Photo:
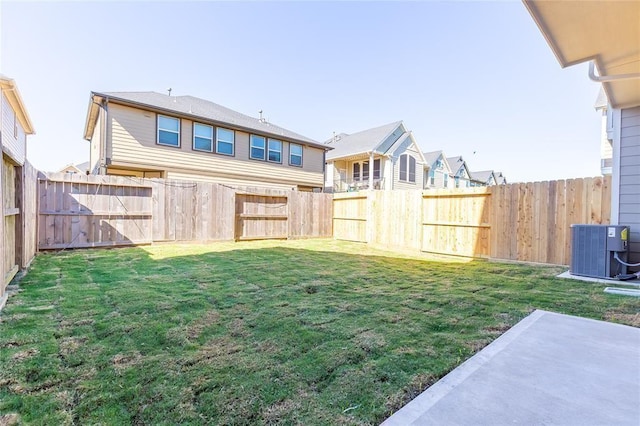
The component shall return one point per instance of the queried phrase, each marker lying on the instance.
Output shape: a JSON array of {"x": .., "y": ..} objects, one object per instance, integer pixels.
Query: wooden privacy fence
[
  {"x": 525, "y": 222},
  {"x": 95, "y": 211},
  {"x": 17, "y": 229}
]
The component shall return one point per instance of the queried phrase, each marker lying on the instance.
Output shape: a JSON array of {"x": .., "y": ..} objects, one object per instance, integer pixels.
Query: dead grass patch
[
  {"x": 630, "y": 319},
  {"x": 274, "y": 413},
  {"x": 68, "y": 345},
  {"x": 215, "y": 350},
  {"x": 415, "y": 387},
  {"x": 10, "y": 419},
  {"x": 195, "y": 329},
  {"x": 369, "y": 341},
  {"x": 123, "y": 361},
  {"x": 22, "y": 355}
]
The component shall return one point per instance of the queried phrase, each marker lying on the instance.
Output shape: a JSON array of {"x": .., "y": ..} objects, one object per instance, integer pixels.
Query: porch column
[{"x": 371, "y": 171}]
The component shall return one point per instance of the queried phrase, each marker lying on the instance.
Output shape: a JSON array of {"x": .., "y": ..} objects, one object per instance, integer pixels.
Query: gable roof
[
  {"x": 431, "y": 157},
  {"x": 195, "y": 108},
  {"x": 362, "y": 142},
  {"x": 456, "y": 163},
  {"x": 483, "y": 176},
  {"x": 9, "y": 87},
  {"x": 500, "y": 179},
  {"x": 601, "y": 100}
]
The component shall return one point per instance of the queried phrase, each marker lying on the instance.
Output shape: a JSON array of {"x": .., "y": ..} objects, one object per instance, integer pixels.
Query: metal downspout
[{"x": 608, "y": 78}]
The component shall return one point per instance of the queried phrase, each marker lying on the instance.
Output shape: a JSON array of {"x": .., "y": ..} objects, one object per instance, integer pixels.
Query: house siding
[
  {"x": 391, "y": 139},
  {"x": 629, "y": 213},
  {"x": 14, "y": 147},
  {"x": 96, "y": 144},
  {"x": 408, "y": 147},
  {"x": 133, "y": 142}
]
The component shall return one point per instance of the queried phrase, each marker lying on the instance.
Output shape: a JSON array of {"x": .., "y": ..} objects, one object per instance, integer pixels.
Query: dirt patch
[
  {"x": 195, "y": 329},
  {"x": 22, "y": 355},
  {"x": 124, "y": 361}
]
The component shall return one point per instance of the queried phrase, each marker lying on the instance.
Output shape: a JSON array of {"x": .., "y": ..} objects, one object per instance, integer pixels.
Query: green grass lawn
[{"x": 294, "y": 332}]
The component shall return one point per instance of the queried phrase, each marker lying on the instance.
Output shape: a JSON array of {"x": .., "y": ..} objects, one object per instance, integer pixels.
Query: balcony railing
[{"x": 350, "y": 185}]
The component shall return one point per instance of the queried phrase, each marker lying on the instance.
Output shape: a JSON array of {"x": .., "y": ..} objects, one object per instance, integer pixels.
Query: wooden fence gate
[{"x": 262, "y": 216}]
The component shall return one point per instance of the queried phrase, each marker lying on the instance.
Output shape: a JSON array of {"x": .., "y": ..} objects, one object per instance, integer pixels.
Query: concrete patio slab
[{"x": 549, "y": 369}]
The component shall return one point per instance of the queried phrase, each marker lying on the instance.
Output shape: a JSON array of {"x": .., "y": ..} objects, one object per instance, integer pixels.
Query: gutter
[{"x": 609, "y": 78}]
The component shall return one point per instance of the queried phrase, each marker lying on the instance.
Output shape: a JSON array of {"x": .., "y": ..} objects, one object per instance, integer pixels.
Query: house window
[
  {"x": 365, "y": 171},
  {"x": 457, "y": 179},
  {"x": 258, "y": 147},
  {"x": 439, "y": 164},
  {"x": 356, "y": 171},
  {"x": 376, "y": 169},
  {"x": 202, "y": 137},
  {"x": 295, "y": 154},
  {"x": 224, "y": 141},
  {"x": 446, "y": 180},
  {"x": 168, "y": 131},
  {"x": 407, "y": 168},
  {"x": 275, "y": 151},
  {"x": 432, "y": 177}
]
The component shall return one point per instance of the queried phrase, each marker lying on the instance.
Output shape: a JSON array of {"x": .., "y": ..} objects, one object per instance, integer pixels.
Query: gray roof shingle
[
  {"x": 431, "y": 157},
  {"x": 482, "y": 176},
  {"x": 361, "y": 142},
  {"x": 196, "y": 107}
]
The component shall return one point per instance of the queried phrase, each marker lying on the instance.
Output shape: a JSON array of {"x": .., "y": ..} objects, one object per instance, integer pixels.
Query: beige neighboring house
[
  {"x": 385, "y": 157},
  {"x": 437, "y": 172},
  {"x": 15, "y": 125},
  {"x": 76, "y": 169},
  {"x": 149, "y": 134},
  {"x": 607, "y": 35}
]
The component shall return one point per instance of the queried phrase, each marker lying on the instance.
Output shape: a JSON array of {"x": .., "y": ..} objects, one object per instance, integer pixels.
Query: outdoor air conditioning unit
[{"x": 594, "y": 249}]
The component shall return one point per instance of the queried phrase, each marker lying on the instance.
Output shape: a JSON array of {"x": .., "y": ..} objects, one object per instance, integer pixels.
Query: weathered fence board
[
  {"x": 525, "y": 221},
  {"x": 92, "y": 211}
]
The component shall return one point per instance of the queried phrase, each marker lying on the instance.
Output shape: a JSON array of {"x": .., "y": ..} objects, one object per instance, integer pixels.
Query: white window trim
[
  {"x": 166, "y": 130},
  {"x": 194, "y": 137},
  {"x": 291, "y": 154},
  {"x": 269, "y": 140},
  {"x": 408, "y": 168},
  {"x": 233, "y": 142},
  {"x": 251, "y": 146}
]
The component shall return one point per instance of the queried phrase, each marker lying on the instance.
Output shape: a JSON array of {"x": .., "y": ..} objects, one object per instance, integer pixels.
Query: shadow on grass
[{"x": 256, "y": 333}]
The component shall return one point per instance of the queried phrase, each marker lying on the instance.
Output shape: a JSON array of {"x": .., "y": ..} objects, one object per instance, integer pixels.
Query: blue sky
[{"x": 464, "y": 76}]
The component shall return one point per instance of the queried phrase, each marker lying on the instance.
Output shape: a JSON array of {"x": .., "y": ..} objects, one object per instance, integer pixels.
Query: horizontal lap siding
[
  {"x": 14, "y": 146},
  {"x": 134, "y": 142},
  {"x": 397, "y": 183},
  {"x": 630, "y": 177}
]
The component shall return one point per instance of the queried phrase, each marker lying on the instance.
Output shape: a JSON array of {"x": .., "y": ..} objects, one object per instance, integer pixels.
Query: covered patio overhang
[{"x": 605, "y": 32}]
